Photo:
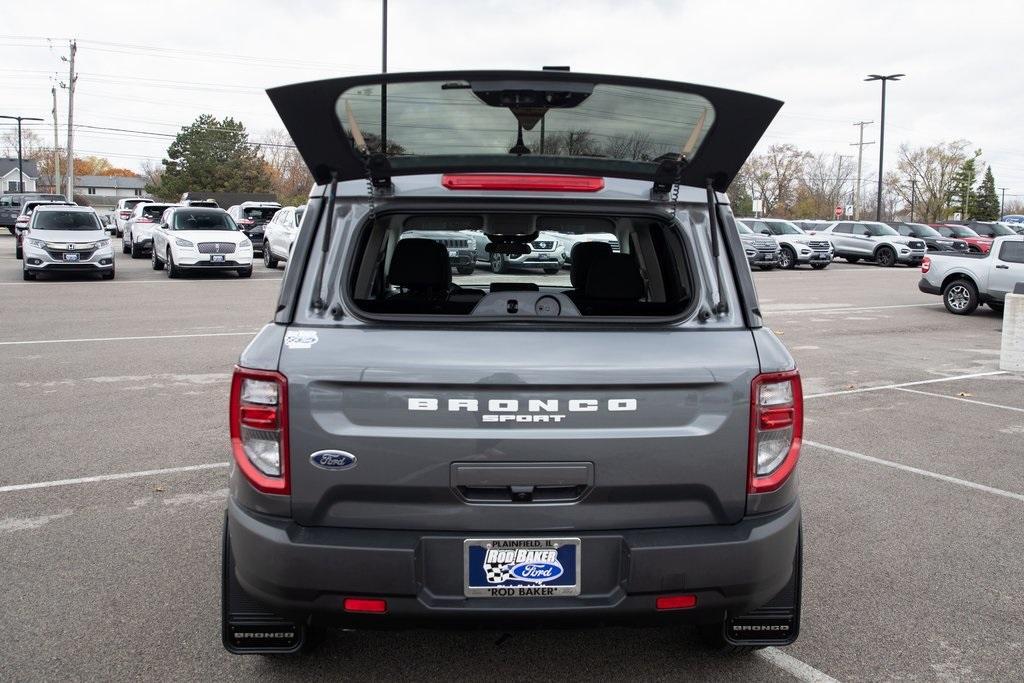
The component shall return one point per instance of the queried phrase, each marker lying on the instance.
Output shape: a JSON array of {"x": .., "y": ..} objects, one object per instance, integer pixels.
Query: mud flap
[
  {"x": 778, "y": 621},
  {"x": 247, "y": 627}
]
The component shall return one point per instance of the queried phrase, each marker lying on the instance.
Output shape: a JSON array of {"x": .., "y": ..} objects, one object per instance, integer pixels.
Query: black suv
[{"x": 932, "y": 238}]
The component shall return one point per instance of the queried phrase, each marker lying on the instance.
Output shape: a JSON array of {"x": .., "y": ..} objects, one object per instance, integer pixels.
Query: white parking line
[
  {"x": 917, "y": 470},
  {"x": 109, "y": 477},
  {"x": 962, "y": 399},
  {"x": 790, "y": 664},
  {"x": 101, "y": 283},
  {"x": 951, "y": 378},
  {"x": 771, "y": 310},
  {"x": 107, "y": 339}
]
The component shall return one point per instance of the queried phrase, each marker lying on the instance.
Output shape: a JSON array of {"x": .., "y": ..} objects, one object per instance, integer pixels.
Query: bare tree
[
  {"x": 638, "y": 146},
  {"x": 823, "y": 185},
  {"x": 152, "y": 171},
  {"x": 289, "y": 176},
  {"x": 775, "y": 176},
  {"x": 933, "y": 170}
]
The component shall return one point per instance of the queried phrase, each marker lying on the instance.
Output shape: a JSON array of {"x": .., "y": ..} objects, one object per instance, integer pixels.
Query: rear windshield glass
[
  {"x": 154, "y": 210},
  {"x": 482, "y": 119},
  {"x": 66, "y": 220},
  {"x": 261, "y": 214},
  {"x": 132, "y": 203},
  {"x": 203, "y": 220},
  {"x": 522, "y": 266},
  {"x": 205, "y": 203}
]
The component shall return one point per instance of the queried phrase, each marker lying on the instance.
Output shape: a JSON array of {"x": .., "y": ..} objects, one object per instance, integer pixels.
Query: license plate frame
[
  {"x": 71, "y": 256},
  {"x": 476, "y": 567},
  {"x": 216, "y": 258}
]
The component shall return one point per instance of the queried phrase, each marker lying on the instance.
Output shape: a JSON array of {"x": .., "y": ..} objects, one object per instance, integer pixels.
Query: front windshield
[
  {"x": 65, "y": 220},
  {"x": 1001, "y": 230},
  {"x": 742, "y": 229},
  {"x": 922, "y": 230},
  {"x": 880, "y": 230},
  {"x": 961, "y": 231},
  {"x": 203, "y": 220},
  {"x": 784, "y": 228}
]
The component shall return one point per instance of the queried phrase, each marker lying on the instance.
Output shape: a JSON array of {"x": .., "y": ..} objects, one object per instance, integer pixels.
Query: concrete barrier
[{"x": 1011, "y": 355}]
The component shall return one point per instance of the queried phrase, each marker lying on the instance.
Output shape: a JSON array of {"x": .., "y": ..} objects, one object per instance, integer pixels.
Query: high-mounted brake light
[
  {"x": 259, "y": 428},
  {"x": 776, "y": 429},
  {"x": 926, "y": 264},
  {"x": 536, "y": 183}
]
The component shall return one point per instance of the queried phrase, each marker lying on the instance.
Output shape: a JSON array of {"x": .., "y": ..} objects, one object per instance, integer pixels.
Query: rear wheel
[
  {"x": 268, "y": 258},
  {"x": 157, "y": 264},
  {"x": 885, "y": 257},
  {"x": 125, "y": 245},
  {"x": 787, "y": 258},
  {"x": 498, "y": 264},
  {"x": 17, "y": 251},
  {"x": 960, "y": 297}
]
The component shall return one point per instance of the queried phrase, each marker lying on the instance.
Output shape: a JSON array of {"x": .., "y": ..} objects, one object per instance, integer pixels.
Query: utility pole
[
  {"x": 21, "y": 173},
  {"x": 881, "y": 137},
  {"x": 72, "y": 79},
  {"x": 913, "y": 197},
  {"x": 860, "y": 161},
  {"x": 1002, "y": 202},
  {"x": 384, "y": 86},
  {"x": 56, "y": 144}
]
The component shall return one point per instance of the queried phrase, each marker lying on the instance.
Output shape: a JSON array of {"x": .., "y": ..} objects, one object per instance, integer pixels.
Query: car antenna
[
  {"x": 719, "y": 306},
  {"x": 320, "y": 303}
]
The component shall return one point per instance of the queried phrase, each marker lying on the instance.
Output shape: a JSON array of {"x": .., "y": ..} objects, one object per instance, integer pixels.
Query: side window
[
  {"x": 843, "y": 228},
  {"x": 860, "y": 229},
  {"x": 1012, "y": 252},
  {"x": 905, "y": 231}
]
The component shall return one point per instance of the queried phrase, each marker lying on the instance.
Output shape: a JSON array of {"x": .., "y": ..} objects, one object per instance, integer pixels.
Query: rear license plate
[
  {"x": 70, "y": 257},
  {"x": 217, "y": 258},
  {"x": 522, "y": 567}
]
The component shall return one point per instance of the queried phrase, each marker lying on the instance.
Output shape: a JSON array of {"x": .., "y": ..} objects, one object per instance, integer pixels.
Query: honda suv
[{"x": 413, "y": 446}]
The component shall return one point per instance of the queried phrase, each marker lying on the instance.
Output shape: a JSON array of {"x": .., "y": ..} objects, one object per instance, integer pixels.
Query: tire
[
  {"x": 245, "y": 272},
  {"x": 126, "y": 246},
  {"x": 269, "y": 260},
  {"x": 885, "y": 257},
  {"x": 465, "y": 270},
  {"x": 172, "y": 270},
  {"x": 26, "y": 274},
  {"x": 552, "y": 271},
  {"x": 820, "y": 266},
  {"x": 960, "y": 297},
  {"x": 108, "y": 276},
  {"x": 498, "y": 264},
  {"x": 852, "y": 259},
  {"x": 157, "y": 263},
  {"x": 787, "y": 259},
  {"x": 17, "y": 252}
]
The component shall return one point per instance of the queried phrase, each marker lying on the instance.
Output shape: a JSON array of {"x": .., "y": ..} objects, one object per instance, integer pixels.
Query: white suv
[
  {"x": 123, "y": 212},
  {"x": 280, "y": 233},
  {"x": 194, "y": 238},
  {"x": 797, "y": 246},
  {"x": 63, "y": 238},
  {"x": 872, "y": 241}
]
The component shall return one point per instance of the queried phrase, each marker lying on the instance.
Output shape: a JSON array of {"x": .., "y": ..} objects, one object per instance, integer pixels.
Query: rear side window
[
  {"x": 1012, "y": 252},
  {"x": 522, "y": 267},
  {"x": 845, "y": 228}
]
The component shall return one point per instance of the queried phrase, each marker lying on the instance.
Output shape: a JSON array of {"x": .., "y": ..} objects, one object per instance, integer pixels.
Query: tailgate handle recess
[{"x": 522, "y": 482}]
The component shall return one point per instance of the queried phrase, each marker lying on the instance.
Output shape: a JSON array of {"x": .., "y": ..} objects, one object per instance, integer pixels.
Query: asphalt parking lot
[{"x": 912, "y": 486}]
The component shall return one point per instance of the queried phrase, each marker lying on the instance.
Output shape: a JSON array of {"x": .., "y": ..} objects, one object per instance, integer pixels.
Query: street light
[
  {"x": 881, "y": 137},
  {"x": 21, "y": 173}
]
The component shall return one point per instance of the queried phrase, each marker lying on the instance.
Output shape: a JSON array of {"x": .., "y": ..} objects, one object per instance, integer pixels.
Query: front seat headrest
[
  {"x": 420, "y": 263},
  {"x": 583, "y": 255},
  {"x": 615, "y": 276}
]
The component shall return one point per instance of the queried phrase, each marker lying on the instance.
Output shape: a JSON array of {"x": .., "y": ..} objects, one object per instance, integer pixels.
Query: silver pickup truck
[{"x": 966, "y": 280}]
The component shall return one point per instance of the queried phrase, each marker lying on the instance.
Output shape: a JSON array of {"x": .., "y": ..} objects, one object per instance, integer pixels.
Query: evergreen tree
[
  {"x": 211, "y": 155},
  {"x": 962, "y": 198},
  {"x": 986, "y": 208}
]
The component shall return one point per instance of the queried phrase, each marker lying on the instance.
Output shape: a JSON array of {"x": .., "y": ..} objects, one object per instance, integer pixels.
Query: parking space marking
[
  {"x": 800, "y": 670},
  {"x": 962, "y": 399},
  {"x": 951, "y": 378},
  {"x": 110, "y": 477},
  {"x": 107, "y": 339},
  {"x": 917, "y": 470}
]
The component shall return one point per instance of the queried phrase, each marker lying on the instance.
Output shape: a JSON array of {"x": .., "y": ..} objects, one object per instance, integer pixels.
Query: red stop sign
[{"x": 839, "y": 211}]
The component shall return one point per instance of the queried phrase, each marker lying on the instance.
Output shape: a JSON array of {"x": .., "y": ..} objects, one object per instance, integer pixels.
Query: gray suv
[
  {"x": 411, "y": 446},
  {"x": 872, "y": 241}
]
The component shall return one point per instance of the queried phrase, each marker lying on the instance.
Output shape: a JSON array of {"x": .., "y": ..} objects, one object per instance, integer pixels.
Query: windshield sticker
[{"x": 300, "y": 339}]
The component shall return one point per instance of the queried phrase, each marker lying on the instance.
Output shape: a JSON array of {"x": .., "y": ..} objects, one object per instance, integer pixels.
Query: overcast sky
[{"x": 149, "y": 67}]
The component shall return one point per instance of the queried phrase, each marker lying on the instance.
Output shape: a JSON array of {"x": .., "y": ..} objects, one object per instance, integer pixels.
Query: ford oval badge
[
  {"x": 536, "y": 572},
  {"x": 333, "y": 460}
]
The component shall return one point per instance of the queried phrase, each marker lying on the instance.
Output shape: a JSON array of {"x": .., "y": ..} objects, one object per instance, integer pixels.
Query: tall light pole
[
  {"x": 1002, "y": 202},
  {"x": 881, "y": 137},
  {"x": 860, "y": 158},
  {"x": 21, "y": 173},
  {"x": 384, "y": 70}
]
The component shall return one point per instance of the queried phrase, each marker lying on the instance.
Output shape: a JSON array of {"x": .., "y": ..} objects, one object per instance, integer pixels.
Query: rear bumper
[
  {"x": 927, "y": 287},
  {"x": 302, "y": 572}
]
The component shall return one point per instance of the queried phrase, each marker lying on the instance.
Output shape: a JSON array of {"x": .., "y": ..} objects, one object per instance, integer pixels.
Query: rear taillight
[
  {"x": 259, "y": 428},
  {"x": 535, "y": 183},
  {"x": 246, "y": 221},
  {"x": 926, "y": 265},
  {"x": 776, "y": 429},
  {"x": 126, "y": 214},
  {"x": 143, "y": 219}
]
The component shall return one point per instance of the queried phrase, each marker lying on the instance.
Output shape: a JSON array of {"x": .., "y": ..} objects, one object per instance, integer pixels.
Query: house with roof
[
  {"x": 101, "y": 190},
  {"x": 9, "y": 181}
]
